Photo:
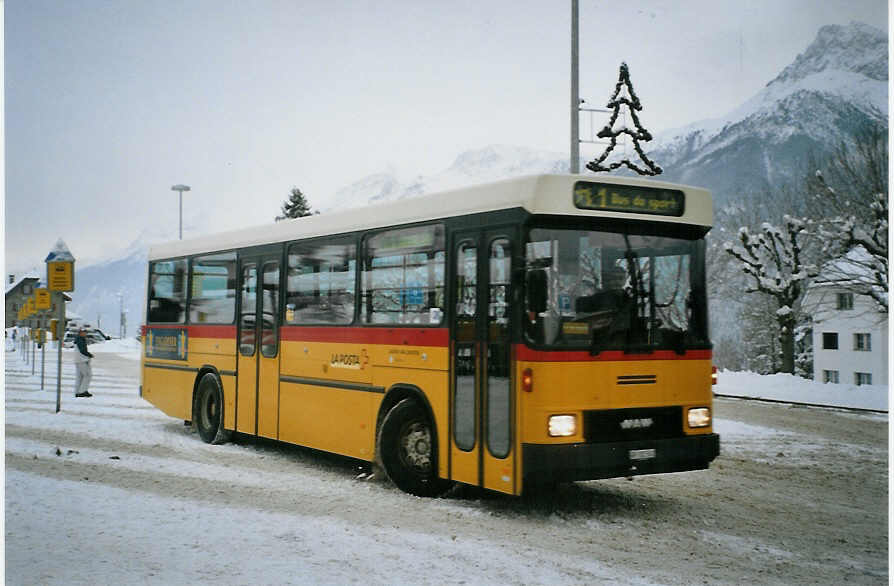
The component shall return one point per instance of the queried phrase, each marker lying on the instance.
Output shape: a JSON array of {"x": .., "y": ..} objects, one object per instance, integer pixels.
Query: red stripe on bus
[
  {"x": 349, "y": 335},
  {"x": 530, "y": 355}
]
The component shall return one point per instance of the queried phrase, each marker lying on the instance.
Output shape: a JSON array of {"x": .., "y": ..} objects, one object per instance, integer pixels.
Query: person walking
[{"x": 82, "y": 363}]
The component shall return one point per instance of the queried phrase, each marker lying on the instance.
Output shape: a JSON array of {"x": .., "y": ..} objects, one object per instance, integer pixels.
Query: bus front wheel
[
  {"x": 406, "y": 447},
  {"x": 208, "y": 411}
]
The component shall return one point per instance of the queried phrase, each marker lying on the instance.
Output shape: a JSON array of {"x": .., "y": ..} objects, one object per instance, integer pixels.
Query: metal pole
[
  {"x": 61, "y": 325},
  {"x": 43, "y": 360},
  {"x": 575, "y": 98},
  {"x": 33, "y": 354},
  {"x": 181, "y": 213}
]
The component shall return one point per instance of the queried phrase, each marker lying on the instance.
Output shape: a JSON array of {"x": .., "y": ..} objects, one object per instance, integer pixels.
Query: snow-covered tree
[
  {"x": 295, "y": 207},
  {"x": 774, "y": 264},
  {"x": 858, "y": 246},
  {"x": 624, "y": 100}
]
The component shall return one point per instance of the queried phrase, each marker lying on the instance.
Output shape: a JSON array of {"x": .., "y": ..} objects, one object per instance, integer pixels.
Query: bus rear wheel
[
  {"x": 406, "y": 447},
  {"x": 208, "y": 411}
]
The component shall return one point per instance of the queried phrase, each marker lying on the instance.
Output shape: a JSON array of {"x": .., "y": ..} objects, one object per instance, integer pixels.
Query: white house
[{"x": 850, "y": 333}]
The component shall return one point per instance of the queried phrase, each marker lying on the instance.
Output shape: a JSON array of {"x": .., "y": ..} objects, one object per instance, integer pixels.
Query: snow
[
  {"x": 273, "y": 548},
  {"x": 105, "y": 530},
  {"x": 150, "y": 536},
  {"x": 60, "y": 253},
  {"x": 787, "y": 387},
  {"x": 127, "y": 347}
]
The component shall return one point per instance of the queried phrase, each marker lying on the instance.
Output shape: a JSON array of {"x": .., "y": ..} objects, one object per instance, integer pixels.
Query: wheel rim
[
  {"x": 209, "y": 410},
  {"x": 415, "y": 448}
]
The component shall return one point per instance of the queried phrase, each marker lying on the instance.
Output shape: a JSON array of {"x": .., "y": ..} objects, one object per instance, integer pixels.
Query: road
[{"x": 111, "y": 490}]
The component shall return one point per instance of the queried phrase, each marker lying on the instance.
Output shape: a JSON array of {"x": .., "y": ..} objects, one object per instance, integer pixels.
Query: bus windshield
[{"x": 605, "y": 290}]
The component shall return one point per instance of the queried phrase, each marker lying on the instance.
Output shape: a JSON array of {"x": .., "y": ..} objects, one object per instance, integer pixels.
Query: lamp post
[
  {"x": 574, "y": 165},
  {"x": 121, "y": 315},
  {"x": 180, "y": 188}
]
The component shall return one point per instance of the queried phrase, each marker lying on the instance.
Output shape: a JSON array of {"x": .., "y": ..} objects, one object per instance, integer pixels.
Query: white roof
[
  {"x": 538, "y": 194},
  {"x": 32, "y": 275}
]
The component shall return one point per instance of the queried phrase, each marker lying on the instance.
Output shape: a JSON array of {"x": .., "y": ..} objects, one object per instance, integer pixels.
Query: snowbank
[{"x": 786, "y": 387}]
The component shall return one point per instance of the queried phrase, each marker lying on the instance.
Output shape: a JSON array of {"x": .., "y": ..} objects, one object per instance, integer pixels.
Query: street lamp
[{"x": 180, "y": 188}]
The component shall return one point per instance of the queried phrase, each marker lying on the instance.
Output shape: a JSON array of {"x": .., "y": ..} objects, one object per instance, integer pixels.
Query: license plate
[{"x": 642, "y": 454}]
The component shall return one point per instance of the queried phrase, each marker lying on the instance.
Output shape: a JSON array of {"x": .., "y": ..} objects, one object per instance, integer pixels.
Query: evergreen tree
[
  {"x": 295, "y": 207},
  {"x": 625, "y": 98}
]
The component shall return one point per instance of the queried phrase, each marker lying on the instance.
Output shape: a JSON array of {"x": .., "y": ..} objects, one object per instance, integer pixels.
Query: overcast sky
[{"x": 108, "y": 104}]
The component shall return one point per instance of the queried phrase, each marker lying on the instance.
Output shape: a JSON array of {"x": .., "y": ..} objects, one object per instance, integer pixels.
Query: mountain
[
  {"x": 490, "y": 163},
  {"x": 838, "y": 86},
  {"x": 97, "y": 288}
]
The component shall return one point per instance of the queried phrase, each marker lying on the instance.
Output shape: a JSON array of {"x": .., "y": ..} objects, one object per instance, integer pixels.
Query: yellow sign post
[
  {"x": 42, "y": 299},
  {"x": 60, "y": 277}
]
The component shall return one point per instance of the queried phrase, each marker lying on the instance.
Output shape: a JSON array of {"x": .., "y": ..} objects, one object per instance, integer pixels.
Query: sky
[{"x": 109, "y": 104}]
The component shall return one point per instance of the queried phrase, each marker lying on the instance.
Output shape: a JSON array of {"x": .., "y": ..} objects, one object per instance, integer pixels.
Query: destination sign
[{"x": 635, "y": 199}]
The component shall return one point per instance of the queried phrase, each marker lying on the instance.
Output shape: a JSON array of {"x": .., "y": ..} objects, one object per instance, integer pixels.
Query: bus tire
[
  {"x": 207, "y": 411},
  {"x": 407, "y": 450}
]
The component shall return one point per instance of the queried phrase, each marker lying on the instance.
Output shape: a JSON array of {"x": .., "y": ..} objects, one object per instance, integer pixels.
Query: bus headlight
[
  {"x": 562, "y": 425},
  {"x": 699, "y": 417}
]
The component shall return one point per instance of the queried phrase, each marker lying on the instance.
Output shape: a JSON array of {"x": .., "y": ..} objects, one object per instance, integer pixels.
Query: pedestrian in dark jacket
[{"x": 82, "y": 363}]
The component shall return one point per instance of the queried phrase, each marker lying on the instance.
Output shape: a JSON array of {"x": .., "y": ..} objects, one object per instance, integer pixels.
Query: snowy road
[{"x": 112, "y": 491}]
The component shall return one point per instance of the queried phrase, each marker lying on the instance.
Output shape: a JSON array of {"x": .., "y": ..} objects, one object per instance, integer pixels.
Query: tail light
[
  {"x": 527, "y": 380},
  {"x": 713, "y": 375}
]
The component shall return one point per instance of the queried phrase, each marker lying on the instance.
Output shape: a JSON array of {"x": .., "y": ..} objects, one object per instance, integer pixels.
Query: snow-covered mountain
[
  {"x": 839, "y": 84},
  {"x": 490, "y": 163},
  {"x": 832, "y": 90}
]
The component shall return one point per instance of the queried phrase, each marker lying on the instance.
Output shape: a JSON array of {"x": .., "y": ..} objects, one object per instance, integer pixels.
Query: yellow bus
[{"x": 536, "y": 330}]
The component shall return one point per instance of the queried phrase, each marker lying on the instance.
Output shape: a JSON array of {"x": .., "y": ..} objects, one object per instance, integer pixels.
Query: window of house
[
  {"x": 321, "y": 282},
  {"x": 845, "y": 301},
  {"x": 830, "y": 341},
  {"x": 830, "y": 376},
  {"x": 213, "y": 288},
  {"x": 403, "y": 276},
  {"x": 167, "y": 292},
  {"x": 862, "y": 378},
  {"x": 863, "y": 342}
]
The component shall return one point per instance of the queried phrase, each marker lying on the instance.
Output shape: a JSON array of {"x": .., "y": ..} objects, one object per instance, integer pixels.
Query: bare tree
[
  {"x": 774, "y": 264},
  {"x": 855, "y": 231}
]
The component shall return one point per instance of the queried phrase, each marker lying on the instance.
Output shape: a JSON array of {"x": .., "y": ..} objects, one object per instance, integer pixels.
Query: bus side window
[
  {"x": 321, "y": 282},
  {"x": 403, "y": 276},
  {"x": 167, "y": 292},
  {"x": 213, "y": 289}
]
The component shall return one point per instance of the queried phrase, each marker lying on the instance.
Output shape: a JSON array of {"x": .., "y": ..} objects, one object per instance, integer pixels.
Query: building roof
[{"x": 30, "y": 276}]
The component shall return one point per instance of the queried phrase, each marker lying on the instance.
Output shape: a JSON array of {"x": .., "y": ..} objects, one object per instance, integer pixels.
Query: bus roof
[{"x": 538, "y": 194}]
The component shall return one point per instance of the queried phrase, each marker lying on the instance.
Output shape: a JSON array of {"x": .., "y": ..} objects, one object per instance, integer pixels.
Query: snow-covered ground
[
  {"x": 787, "y": 387},
  {"x": 110, "y": 490}
]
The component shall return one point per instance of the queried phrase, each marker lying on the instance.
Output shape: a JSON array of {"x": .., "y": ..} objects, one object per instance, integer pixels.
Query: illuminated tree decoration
[{"x": 624, "y": 97}]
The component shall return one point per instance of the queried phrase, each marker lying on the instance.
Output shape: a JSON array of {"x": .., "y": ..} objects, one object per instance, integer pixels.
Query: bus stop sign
[{"x": 60, "y": 268}]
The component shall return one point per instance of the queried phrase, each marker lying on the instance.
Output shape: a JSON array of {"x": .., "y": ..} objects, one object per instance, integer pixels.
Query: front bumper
[{"x": 592, "y": 461}]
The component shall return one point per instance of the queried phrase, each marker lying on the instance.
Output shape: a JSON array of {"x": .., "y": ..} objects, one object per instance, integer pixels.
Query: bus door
[
  {"x": 257, "y": 398},
  {"x": 482, "y": 405}
]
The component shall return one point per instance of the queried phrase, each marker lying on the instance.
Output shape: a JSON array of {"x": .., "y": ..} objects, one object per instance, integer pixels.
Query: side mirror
[{"x": 536, "y": 290}]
